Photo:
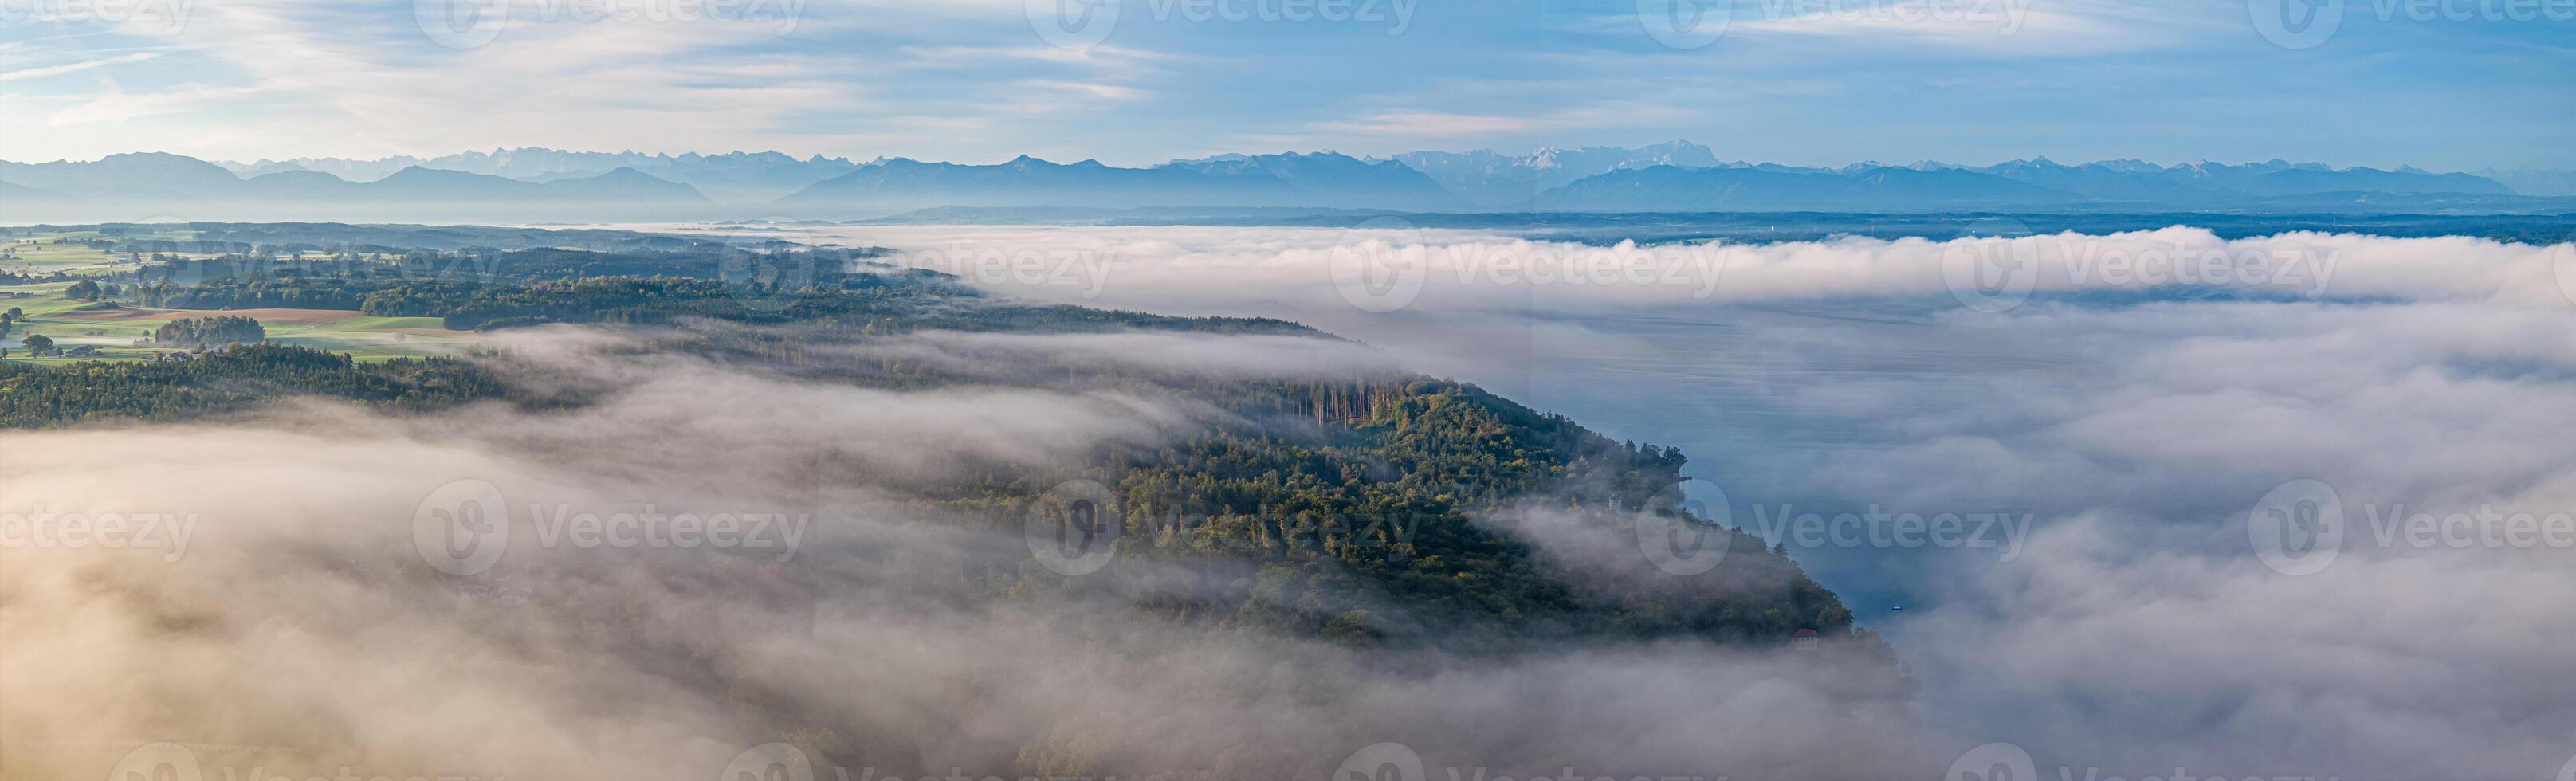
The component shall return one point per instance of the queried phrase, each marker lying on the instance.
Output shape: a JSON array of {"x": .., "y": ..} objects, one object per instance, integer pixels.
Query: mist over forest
[{"x": 911, "y": 516}]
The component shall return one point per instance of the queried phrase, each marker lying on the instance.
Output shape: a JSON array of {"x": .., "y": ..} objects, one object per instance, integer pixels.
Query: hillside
[{"x": 1365, "y": 503}]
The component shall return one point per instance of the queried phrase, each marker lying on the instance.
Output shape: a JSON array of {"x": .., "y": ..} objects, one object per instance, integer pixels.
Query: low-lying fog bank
[
  {"x": 2139, "y": 582},
  {"x": 718, "y": 570}
]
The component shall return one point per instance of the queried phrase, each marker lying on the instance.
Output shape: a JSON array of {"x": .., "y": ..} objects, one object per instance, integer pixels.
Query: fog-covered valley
[{"x": 2111, "y": 441}]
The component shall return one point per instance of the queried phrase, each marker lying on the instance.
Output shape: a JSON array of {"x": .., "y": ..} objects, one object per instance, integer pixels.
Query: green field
[
  {"x": 115, "y": 330},
  {"x": 40, "y": 255}
]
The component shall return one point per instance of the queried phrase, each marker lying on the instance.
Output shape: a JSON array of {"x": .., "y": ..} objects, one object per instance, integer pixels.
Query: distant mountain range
[
  {"x": 2528, "y": 181},
  {"x": 1317, "y": 180},
  {"x": 543, "y": 185},
  {"x": 733, "y": 177},
  {"x": 2021, "y": 184},
  {"x": 155, "y": 185},
  {"x": 1490, "y": 178}
]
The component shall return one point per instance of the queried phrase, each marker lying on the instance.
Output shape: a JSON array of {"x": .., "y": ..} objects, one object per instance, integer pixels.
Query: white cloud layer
[
  {"x": 300, "y": 633},
  {"x": 2136, "y": 631},
  {"x": 2140, "y": 421}
]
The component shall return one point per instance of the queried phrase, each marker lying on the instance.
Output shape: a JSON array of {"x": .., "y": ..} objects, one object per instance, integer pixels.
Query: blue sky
[{"x": 1794, "y": 81}]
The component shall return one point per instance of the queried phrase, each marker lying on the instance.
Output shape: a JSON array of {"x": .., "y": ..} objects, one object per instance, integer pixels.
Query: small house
[{"x": 1805, "y": 640}]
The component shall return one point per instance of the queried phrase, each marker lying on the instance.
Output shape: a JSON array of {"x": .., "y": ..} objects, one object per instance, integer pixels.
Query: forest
[
  {"x": 1322, "y": 503},
  {"x": 203, "y": 331},
  {"x": 1335, "y": 495}
]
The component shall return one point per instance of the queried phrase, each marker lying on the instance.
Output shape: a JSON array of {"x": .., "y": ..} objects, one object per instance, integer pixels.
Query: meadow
[{"x": 115, "y": 327}]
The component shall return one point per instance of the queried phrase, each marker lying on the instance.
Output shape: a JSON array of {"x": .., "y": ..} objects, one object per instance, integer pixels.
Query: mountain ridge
[
  {"x": 151, "y": 185},
  {"x": 537, "y": 184}
]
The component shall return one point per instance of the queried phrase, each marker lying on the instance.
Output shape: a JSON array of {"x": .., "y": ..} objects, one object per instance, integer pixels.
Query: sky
[{"x": 2441, "y": 84}]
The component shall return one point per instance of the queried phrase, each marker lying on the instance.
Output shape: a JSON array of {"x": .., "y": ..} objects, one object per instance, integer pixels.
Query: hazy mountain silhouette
[
  {"x": 155, "y": 185},
  {"x": 1490, "y": 178},
  {"x": 1339, "y": 181},
  {"x": 1318, "y": 180},
  {"x": 732, "y": 177},
  {"x": 2530, "y": 181},
  {"x": 545, "y": 185}
]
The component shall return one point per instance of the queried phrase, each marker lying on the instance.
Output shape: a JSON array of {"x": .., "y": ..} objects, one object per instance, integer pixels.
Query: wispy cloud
[
  {"x": 113, "y": 105},
  {"x": 1786, "y": 81},
  {"x": 16, "y": 74}
]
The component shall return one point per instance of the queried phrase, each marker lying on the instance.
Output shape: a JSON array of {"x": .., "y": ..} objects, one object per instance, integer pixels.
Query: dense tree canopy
[{"x": 200, "y": 331}]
